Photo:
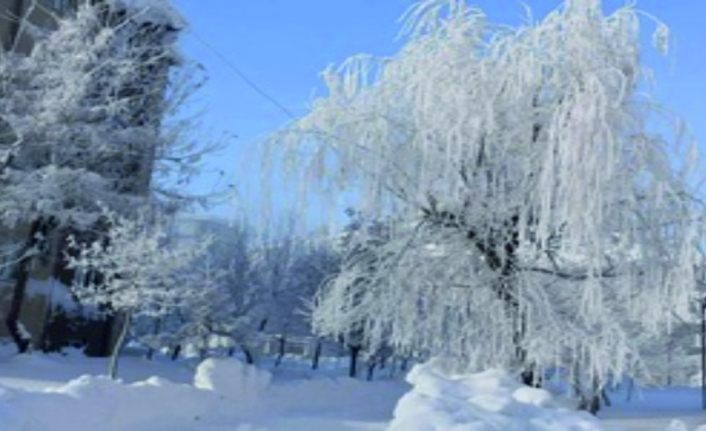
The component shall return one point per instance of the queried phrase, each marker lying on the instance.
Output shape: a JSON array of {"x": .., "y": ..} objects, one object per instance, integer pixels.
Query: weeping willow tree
[{"x": 536, "y": 219}]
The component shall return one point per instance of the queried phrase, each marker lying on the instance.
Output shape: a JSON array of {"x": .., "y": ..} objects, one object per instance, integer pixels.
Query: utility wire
[{"x": 240, "y": 74}]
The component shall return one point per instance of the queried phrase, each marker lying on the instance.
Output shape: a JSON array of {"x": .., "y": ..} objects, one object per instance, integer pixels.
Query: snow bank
[
  {"x": 226, "y": 394},
  {"x": 487, "y": 401},
  {"x": 232, "y": 379},
  {"x": 97, "y": 403},
  {"x": 222, "y": 393}
]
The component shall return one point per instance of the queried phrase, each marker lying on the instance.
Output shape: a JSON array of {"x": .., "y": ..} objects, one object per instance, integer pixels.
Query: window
[{"x": 59, "y": 5}]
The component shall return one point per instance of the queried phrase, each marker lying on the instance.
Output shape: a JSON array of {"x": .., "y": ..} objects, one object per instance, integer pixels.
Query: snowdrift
[
  {"x": 98, "y": 403},
  {"x": 487, "y": 401},
  {"x": 226, "y": 394},
  {"x": 223, "y": 392}
]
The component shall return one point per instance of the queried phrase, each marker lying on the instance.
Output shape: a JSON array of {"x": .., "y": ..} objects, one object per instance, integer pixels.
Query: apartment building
[{"x": 48, "y": 315}]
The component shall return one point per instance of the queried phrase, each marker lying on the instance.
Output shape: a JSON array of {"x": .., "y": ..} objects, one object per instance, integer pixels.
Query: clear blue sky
[{"x": 283, "y": 45}]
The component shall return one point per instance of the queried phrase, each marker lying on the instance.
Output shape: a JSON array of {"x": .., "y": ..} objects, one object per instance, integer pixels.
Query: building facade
[{"x": 49, "y": 317}]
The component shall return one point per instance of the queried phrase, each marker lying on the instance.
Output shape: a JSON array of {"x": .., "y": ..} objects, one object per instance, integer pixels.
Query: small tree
[
  {"x": 132, "y": 272},
  {"x": 224, "y": 304}
]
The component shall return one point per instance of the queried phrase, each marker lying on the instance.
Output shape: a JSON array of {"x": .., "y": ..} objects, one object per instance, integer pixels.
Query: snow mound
[
  {"x": 488, "y": 401},
  {"x": 232, "y": 378},
  {"x": 99, "y": 403},
  {"x": 226, "y": 395}
]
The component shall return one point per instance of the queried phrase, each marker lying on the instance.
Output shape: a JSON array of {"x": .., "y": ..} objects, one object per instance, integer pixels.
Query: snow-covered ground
[
  {"x": 66, "y": 393},
  {"x": 657, "y": 410}
]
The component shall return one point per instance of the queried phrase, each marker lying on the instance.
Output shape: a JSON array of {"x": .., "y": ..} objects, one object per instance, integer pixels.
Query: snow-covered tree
[
  {"x": 131, "y": 271},
  {"x": 353, "y": 281},
  {"x": 287, "y": 270},
  {"x": 205, "y": 311},
  {"x": 83, "y": 122},
  {"x": 225, "y": 305},
  {"x": 537, "y": 219}
]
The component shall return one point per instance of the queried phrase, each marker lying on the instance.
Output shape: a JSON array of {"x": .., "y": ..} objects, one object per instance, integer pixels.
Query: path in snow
[
  {"x": 655, "y": 409},
  {"x": 656, "y": 423}
]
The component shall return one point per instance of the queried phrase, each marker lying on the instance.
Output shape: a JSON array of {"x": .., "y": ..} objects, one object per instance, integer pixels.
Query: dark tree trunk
[
  {"x": 595, "y": 404},
  {"x": 353, "y": 368},
  {"x": 117, "y": 349},
  {"x": 317, "y": 356},
  {"x": 393, "y": 366},
  {"x": 280, "y": 351},
  {"x": 175, "y": 352},
  {"x": 404, "y": 364},
  {"x": 531, "y": 377},
  {"x": 371, "y": 370},
  {"x": 231, "y": 352},
  {"x": 606, "y": 399},
  {"x": 249, "y": 359},
  {"x": 596, "y": 393},
  {"x": 12, "y": 321},
  {"x": 499, "y": 249},
  {"x": 590, "y": 402}
]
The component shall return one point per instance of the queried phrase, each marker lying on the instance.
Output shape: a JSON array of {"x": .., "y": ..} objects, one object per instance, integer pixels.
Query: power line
[{"x": 249, "y": 82}]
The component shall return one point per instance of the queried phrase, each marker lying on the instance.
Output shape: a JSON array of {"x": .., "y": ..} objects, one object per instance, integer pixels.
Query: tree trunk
[
  {"x": 393, "y": 367},
  {"x": 531, "y": 377},
  {"x": 353, "y": 368},
  {"x": 280, "y": 352},
  {"x": 175, "y": 352},
  {"x": 631, "y": 389},
  {"x": 317, "y": 356},
  {"x": 371, "y": 370},
  {"x": 249, "y": 359},
  {"x": 590, "y": 402},
  {"x": 12, "y": 321},
  {"x": 596, "y": 392},
  {"x": 155, "y": 330},
  {"x": 118, "y": 347},
  {"x": 670, "y": 349},
  {"x": 595, "y": 404},
  {"x": 606, "y": 400}
]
